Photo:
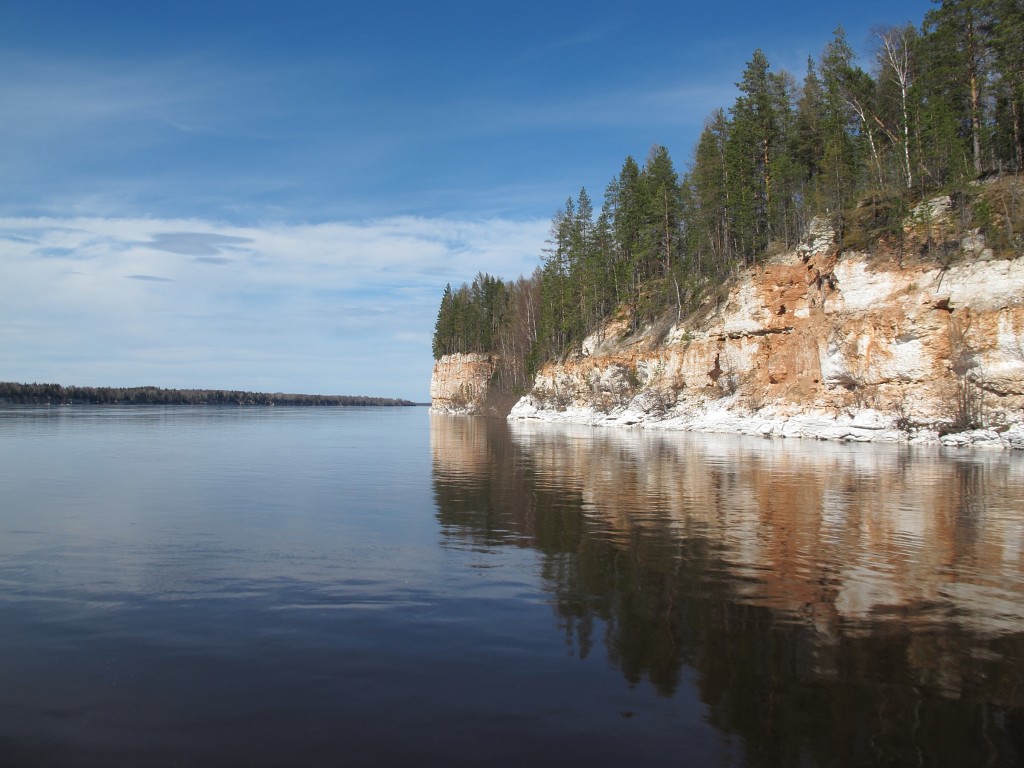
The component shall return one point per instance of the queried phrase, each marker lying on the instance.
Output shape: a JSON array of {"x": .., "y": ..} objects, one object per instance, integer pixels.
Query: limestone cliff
[
  {"x": 460, "y": 383},
  {"x": 814, "y": 343}
]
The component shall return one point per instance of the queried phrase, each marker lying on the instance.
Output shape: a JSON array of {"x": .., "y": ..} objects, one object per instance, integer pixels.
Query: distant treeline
[{"x": 11, "y": 392}]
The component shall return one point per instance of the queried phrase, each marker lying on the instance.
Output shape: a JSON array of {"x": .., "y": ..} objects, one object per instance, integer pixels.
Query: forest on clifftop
[{"x": 937, "y": 111}]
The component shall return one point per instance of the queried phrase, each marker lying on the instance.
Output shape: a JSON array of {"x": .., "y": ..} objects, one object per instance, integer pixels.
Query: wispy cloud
[
  {"x": 195, "y": 243},
  {"x": 184, "y": 134},
  {"x": 58, "y": 95},
  {"x": 150, "y": 278},
  {"x": 577, "y": 38},
  {"x": 333, "y": 307},
  {"x": 166, "y": 134},
  {"x": 684, "y": 103}
]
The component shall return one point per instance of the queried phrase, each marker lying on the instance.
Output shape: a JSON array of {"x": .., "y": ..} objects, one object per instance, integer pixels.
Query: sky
[{"x": 272, "y": 196}]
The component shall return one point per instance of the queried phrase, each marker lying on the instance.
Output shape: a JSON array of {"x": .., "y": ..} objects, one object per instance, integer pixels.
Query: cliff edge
[{"x": 812, "y": 343}]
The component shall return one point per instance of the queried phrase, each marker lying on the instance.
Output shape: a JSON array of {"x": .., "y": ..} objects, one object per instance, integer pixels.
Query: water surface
[{"x": 284, "y": 586}]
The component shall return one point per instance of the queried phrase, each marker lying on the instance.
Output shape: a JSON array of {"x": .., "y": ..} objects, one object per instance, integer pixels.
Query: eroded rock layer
[
  {"x": 460, "y": 383},
  {"x": 811, "y": 343}
]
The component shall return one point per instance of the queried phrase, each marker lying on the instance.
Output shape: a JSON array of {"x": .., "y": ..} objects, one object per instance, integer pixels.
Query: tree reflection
[{"x": 834, "y": 605}]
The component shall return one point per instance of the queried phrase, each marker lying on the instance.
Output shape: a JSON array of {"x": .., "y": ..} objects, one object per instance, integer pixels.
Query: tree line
[
  {"x": 938, "y": 108},
  {"x": 492, "y": 315},
  {"x": 11, "y": 392}
]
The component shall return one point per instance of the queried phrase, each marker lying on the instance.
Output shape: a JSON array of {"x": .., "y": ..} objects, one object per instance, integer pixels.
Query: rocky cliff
[
  {"x": 460, "y": 383},
  {"x": 815, "y": 342}
]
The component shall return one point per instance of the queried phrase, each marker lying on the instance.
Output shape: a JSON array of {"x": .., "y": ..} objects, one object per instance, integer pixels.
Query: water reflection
[{"x": 834, "y": 604}]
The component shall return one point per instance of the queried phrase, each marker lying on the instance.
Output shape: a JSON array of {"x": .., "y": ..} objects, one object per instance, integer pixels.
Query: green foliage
[
  {"x": 879, "y": 215},
  {"x": 939, "y": 107},
  {"x": 469, "y": 318}
]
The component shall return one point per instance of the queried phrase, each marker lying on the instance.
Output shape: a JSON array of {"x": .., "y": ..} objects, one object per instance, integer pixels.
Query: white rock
[
  {"x": 978, "y": 438},
  {"x": 880, "y": 351}
]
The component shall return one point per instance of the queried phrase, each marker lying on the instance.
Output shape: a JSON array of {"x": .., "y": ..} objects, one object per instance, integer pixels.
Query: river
[{"x": 380, "y": 586}]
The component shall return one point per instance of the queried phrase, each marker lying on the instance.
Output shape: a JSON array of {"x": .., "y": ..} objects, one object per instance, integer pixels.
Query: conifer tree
[
  {"x": 807, "y": 139},
  {"x": 444, "y": 330},
  {"x": 849, "y": 83},
  {"x": 710, "y": 226},
  {"x": 623, "y": 197},
  {"x": 1008, "y": 80},
  {"x": 961, "y": 33},
  {"x": 757, "y": 145},
  {"x": 659, "y": 244}
]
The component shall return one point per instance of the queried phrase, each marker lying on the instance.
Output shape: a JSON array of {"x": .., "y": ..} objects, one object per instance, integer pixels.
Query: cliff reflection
[{"x": 835, "y": 605}]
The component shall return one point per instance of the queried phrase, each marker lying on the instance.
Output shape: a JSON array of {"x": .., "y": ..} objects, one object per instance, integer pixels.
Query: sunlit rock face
[
  {"x": 460, "y": 383},
  {"x": 816, "y": 343}
]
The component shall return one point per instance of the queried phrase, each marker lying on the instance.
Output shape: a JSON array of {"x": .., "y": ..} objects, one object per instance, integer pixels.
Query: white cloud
[{"x": 334, "y": 307}]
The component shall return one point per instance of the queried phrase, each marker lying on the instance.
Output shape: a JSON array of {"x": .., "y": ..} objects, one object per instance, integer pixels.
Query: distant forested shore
[{"x": 11, "y": 392}]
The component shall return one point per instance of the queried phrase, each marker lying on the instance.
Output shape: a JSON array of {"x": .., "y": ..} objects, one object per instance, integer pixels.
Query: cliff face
[
  {"x": 815, "y": 343},
  {"x": 460, "y": 383}
]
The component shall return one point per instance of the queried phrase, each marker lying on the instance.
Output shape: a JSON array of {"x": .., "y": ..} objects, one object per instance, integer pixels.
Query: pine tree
[
  {"x": 624, "y": 205},
  {"x": 961, "y": 42},
  {"x": 1008, "y": 82},
  {"x": 847, "y": 83},
  {"x": 757, "y": 145},
  {"x": 807, "y": 140},
  {"x": 659, "y": 243},
  {"x": 443, "y": 342},
  {"x": 556, "y": 286},
  {"x": 710, "y": 213}
]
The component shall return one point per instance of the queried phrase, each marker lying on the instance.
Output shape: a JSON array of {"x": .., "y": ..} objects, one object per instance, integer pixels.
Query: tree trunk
[
  {"x": 1018, "y": 139},
  {"x": 972, "y": 73}
]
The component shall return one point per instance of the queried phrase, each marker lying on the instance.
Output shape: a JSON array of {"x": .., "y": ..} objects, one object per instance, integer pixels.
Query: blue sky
[{"x": 272, "y": 195}]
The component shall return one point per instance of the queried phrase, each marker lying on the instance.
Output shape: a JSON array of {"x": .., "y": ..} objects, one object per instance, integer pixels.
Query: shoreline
[{"x": 863, "y": 426}]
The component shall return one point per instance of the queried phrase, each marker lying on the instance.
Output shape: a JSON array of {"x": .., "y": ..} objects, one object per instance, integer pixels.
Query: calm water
[{"x": 285, "y": 586}]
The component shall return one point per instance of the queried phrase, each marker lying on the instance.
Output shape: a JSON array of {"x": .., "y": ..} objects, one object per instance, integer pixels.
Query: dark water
[{"x": 292, "y": 586}]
